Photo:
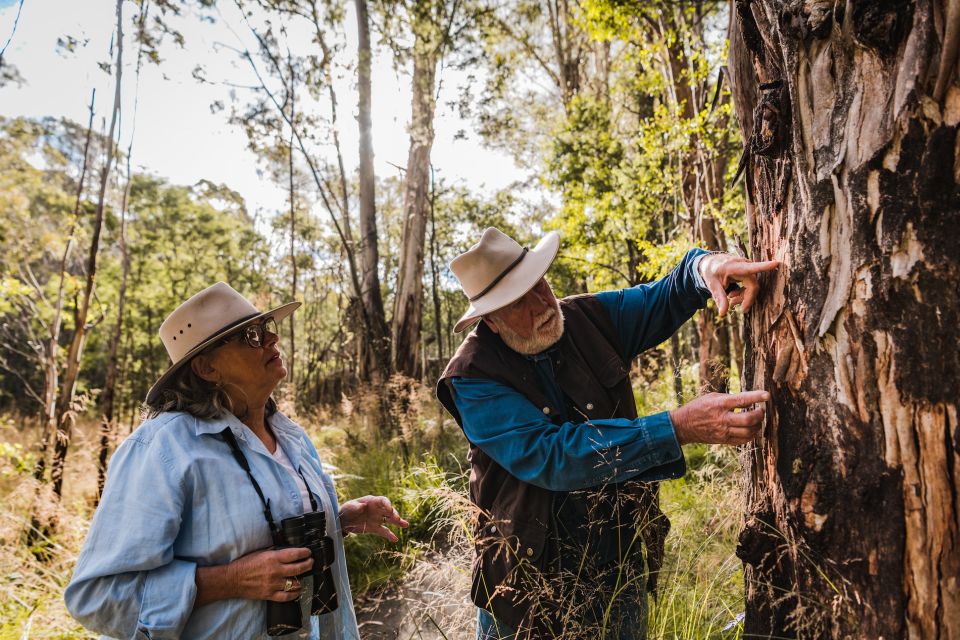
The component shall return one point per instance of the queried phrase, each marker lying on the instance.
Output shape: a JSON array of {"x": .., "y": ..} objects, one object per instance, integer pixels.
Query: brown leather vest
[{"x": 515, "y": 571}]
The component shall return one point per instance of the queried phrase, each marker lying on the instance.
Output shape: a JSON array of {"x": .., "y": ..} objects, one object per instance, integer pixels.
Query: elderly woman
[{"x": 192, "y": 537}]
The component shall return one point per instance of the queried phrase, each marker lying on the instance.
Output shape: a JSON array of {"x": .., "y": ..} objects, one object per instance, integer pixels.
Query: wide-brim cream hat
[
  {"x": 202, "y": 320},
  {"x": 497, "y": 271}
]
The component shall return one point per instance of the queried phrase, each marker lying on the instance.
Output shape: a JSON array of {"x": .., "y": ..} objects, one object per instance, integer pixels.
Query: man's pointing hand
[{"x": 720, "y": 270}]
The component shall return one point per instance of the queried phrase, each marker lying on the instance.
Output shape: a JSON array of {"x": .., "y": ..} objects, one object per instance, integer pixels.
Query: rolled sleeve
[
  {"x": 568, "y": 456},
  {"x": 168, "y": 592},
  {"x": 127, "y": 582}
]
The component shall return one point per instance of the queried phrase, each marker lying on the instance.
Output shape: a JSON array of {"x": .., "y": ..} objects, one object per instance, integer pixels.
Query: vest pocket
[
  {"x": 512, "y": 541},
  {"x": 509, "y": 566}
]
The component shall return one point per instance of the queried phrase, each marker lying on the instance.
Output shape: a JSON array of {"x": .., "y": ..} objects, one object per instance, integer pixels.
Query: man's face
[{"x": 530, "y": 324}]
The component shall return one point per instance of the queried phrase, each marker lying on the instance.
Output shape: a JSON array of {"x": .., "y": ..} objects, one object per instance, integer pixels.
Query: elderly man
[{"x": 562, "y": 468}]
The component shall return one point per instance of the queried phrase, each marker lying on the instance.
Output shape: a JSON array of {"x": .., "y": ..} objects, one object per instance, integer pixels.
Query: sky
[{"x": 177, "y": 136}]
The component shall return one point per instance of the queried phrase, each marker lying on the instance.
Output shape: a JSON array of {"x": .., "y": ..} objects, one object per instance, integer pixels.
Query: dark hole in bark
[
  {"x": 881, "y": 24},
  {"x": 749, "y": 30}
]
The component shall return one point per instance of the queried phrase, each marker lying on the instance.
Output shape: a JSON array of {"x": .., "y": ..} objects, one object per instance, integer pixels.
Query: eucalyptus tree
[
  {"x": 851, "y": 113},
  {"x": 421, "y": 33}
]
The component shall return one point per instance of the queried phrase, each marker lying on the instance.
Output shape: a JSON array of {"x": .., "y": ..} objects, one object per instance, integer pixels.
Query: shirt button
[
  {"x": 529, "y": 552},
  {"x": 589, "y": 406},
  {"x": 546, "y": 410},
  {"x": 493, "y": 528}
]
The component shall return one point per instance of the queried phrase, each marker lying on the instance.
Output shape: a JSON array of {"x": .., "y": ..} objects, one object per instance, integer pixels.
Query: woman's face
[{"x": 248, "y": 374}]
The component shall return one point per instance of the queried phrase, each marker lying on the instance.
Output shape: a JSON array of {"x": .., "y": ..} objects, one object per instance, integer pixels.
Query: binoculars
[{"x": 307, "y": 531}]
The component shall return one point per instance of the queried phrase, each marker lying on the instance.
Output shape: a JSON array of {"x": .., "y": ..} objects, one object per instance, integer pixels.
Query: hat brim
[
  {"x": 278, "y": 314},
  {"x": 515, "y": 284}
]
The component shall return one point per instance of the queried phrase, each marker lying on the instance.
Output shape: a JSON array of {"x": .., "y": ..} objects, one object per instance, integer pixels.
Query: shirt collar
[{"x": 287, "y": 432}]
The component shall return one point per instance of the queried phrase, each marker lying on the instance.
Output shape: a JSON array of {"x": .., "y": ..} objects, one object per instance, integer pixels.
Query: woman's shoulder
[
  {"x": 168, "y": 423},
  {"x": 168, "y": 435}
]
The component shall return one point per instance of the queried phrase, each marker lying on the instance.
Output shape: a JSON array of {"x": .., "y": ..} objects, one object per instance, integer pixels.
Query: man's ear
[
  {"x": 491, "y": 325},
  {"x": 204, "y": 370}
]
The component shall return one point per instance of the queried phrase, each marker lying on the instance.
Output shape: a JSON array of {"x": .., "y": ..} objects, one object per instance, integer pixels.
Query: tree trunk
[
  {"x": 854, "y": 488},
  {"x": 293, "y": 243},
  {"x": 375, "y": 360},
  {"x": 408, "y": 304},
  {"x": 110, "y": 385},
  {"x": 51, "y": 374},
  {"x": 714, "y": 336},
  {"x": 65, "y": 409}
]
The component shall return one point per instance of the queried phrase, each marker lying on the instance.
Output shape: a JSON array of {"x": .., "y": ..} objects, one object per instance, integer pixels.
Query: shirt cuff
[
  {"x": 697, "y": 277},
  {"x": 168, "y": 596},
  {"x": 666, "y": 461}
]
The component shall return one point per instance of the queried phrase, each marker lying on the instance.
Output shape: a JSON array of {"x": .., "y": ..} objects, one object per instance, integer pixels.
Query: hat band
[
  {"x": 502, "y": 275},
  {"x": 232, "y": 325}
]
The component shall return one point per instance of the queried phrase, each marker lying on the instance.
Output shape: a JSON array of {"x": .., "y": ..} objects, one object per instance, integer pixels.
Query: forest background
[{"x": 609, "y": 121}]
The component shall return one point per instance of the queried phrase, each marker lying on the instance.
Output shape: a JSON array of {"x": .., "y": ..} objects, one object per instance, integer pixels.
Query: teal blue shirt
[
  {"x": 576, "y": 455},
  {"x": 176, "y": 499}
]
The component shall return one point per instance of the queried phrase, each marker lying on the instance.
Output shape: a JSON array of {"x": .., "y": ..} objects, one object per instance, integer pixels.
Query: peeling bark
[{"x": 853, "y": 521}]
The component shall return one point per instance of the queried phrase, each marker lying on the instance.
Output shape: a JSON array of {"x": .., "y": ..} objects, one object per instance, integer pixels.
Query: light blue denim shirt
[{"x": 176, "y": 499}]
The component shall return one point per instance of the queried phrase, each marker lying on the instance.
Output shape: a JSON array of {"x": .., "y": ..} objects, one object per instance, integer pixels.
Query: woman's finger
[
  {"x": 296, "y": 568},
  {"x": 291, "y": 554},
  {"x": 284, "y": 596},
  {"x": 384, "y": 532}
]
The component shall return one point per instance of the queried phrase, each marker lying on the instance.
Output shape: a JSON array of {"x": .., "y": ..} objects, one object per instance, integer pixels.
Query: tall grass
[{"x": 422, "y": 470}]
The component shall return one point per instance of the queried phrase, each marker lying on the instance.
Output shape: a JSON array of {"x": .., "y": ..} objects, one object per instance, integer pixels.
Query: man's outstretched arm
[
  {"x": 648, "y": 314},
  {"x": 572, "y": 455}
]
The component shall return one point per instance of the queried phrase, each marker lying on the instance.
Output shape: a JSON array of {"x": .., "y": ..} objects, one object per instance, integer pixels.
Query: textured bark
[
  {"x": 408, "y": 303},
  {"x": 375, "y": 359},
  {"x": 852, "y": 523}
]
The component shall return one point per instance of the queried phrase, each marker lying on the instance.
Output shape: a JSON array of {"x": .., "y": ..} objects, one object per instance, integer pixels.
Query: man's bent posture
[{"x": 569, "y": 534}]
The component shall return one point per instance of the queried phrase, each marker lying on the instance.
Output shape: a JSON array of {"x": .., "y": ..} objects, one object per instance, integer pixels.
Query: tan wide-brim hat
[
  {"x": 202, "y": 320},
  {"x": 497, "y": 271}
]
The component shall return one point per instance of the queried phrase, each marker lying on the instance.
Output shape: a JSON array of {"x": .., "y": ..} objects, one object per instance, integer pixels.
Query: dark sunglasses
[{"x": 254, "y": 335}]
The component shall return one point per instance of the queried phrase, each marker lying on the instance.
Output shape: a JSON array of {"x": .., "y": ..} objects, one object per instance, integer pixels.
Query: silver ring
[{"x": 288, "y": 585}]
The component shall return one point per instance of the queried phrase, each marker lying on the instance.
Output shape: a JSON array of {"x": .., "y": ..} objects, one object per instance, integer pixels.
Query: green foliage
[
  {"x": 414, "y": 485},
  {"x": 701, "y": 584},
  {"x": 14, "y": 460}
]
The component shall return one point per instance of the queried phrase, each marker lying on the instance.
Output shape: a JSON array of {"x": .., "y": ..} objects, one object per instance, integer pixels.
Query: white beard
[{"x": 548, "y": 333}]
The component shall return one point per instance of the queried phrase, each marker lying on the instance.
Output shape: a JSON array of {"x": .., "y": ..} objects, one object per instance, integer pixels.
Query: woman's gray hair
[{"x": 188, "y": 392}]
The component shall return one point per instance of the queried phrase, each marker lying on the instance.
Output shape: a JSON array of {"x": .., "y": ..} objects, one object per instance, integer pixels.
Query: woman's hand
[
  {"x": 371, "y": 514},
  {"x": 261, "y": 575}
]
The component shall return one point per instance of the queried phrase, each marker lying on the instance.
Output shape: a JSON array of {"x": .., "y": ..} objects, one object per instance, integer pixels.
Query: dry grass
[{"x": 420, "y": 589}]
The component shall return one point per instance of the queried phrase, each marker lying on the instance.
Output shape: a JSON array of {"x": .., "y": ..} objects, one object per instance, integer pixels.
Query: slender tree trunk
[
  {"x": 65, "y": 409},
  {"x": 854, "y": 489},
  {"x": 51, "y": 378},
  {"x": 714, "y": 336},
  {"x": 675, "y": 365},
  {"x": 375, "y": 360},
  {"x": 293, "y": 244},
  {"x": 110, "y": 385},
  {"x": 408, "y": 306},
  {"x": 435, "y": 269}
]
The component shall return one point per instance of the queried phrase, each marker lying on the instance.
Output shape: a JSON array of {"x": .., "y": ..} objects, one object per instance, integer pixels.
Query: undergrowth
[{"x": 423, "y": 471}]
